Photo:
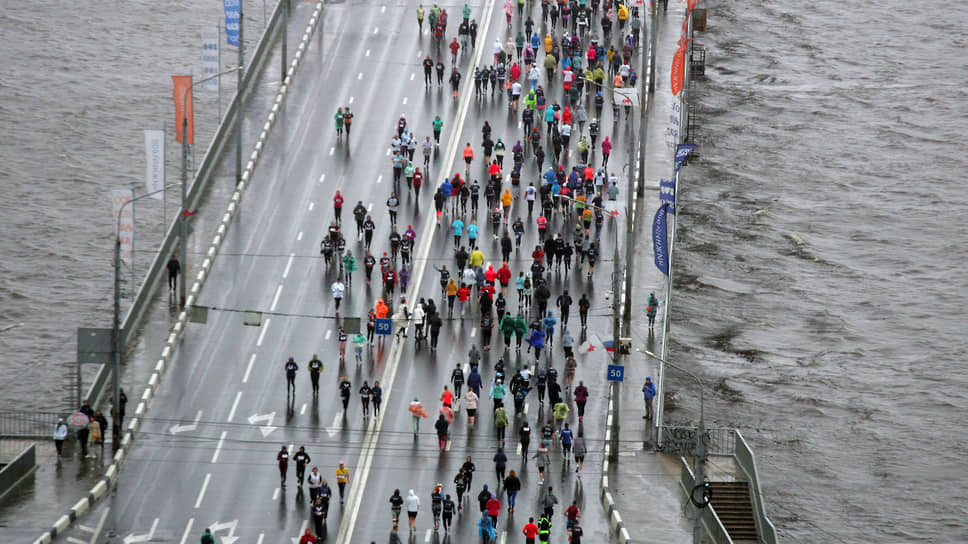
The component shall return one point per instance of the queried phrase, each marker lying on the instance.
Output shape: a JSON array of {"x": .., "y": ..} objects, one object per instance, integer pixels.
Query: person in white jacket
[
  {"x": 413, "y": 504},
  {"x": 338, "y": 291},
  {"x": 419, "y": 318},
  {"x": 60, "y": 435}
]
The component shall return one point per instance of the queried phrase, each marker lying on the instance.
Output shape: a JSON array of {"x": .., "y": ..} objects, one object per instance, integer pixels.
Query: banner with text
[
  {"x": 155, "y": 162},
  {"x": 233, "y": 12},
  {"x": 683, "y": 151},
  {"x": 123, "y": 219},
  {"x": 210, "y": 57},
  {"x": 660, "y": 240},
  {"x": 667, "y": 193}
]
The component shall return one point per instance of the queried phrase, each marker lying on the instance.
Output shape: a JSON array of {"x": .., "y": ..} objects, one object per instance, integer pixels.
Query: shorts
[
  {"x": 471, "y": 412},
  {"x": 579, "y": 458},
  {"x": 411, "y": 515}
]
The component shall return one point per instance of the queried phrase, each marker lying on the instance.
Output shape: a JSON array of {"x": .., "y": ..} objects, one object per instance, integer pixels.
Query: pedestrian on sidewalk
[
  {"x": 648, "y": 393},
  {"x": 60, "y": 434},
  {"x": 174, "y": 269}
]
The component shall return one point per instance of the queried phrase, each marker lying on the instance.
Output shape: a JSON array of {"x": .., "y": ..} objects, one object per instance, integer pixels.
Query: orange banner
[
  {"x": 678, "y": 69},
  {"x": 692, "y": 4},
  {"x": 183, "y": 108}
]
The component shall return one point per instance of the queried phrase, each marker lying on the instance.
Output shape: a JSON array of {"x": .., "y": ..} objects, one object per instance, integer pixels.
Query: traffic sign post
[
  {"x": 384, "y": 326},
  {"x": 616, "y": 373}
]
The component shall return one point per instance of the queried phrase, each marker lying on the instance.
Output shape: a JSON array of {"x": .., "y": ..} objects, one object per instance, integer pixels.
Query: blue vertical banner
[
  {"x": 233, "y": 9},
  {"x": 660, "y": 240},
  {"x": 667, "y": 193},
  {"x": 682, "y": 151}
]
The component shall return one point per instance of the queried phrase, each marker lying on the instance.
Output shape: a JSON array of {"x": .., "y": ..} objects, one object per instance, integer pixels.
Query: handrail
[
  {"x": 747, "y": 462},
  {"x": 199, "y": 183},
  {"x": 714, "y": 527}
]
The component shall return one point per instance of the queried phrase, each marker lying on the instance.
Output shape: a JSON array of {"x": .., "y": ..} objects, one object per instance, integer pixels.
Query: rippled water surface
[{"x": 821, "y": 284}]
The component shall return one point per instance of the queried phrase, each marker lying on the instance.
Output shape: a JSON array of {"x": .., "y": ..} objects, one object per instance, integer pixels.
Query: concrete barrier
[
  {"x": 110, "y": 477},
  {"x": 17, "y": 470}
]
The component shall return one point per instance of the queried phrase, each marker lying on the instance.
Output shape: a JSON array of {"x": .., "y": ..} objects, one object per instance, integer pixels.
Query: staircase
[{"x": 735, "y": 510}]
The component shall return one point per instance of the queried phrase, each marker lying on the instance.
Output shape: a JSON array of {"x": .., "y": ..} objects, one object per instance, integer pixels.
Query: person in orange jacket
[{"x": 382, "y": 310}]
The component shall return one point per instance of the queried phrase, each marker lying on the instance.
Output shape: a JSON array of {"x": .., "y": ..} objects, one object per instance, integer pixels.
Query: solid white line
[
  {"x": 379, "y": 179},
  {"x": 218, "y": 447},
  {"x": 188, "y": 530},
  {"x": 420, "y": 54},
  {"x": 396, "y": 351},
  {"x": 519, "y": 449},
  {"x": 467, "y": 370},
  {"x": 285, "y": 273},
  {"x": 265, "y": 327},
  {"x": 275, "y": 300},
  {"x": 275, "y": 494},
  {"x": 201, "y": 494},
  {"x": 299, "y": 236},
  {"x": 311, "y": 206},
  {"x": 245, "y": 377},
  {"x": 154, "y": 525}
]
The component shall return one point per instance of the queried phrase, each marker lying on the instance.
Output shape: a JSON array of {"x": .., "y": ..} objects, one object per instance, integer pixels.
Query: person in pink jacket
[{"x": 606, "y": 151}]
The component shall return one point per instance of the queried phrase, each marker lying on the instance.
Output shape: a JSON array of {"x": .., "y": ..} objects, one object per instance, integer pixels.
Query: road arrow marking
[
  {"x": 230, "y": 525},
  {"x": 334, "y": 428},
  {"x": 175, "y": 429},
  {"x": 267, "y": 418},
  {"x": 131, "y": 539}
]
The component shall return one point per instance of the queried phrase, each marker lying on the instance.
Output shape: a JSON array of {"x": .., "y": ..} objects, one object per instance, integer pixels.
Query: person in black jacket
[{"x": 512, "y": 484}]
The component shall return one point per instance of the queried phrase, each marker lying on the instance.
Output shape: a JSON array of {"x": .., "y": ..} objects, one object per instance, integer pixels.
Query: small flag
[{"x": 683, "y": 151}]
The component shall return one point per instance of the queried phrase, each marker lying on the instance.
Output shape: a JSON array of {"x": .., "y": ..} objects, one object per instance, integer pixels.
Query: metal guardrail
[
  {"x": 747, "y": 462},
  {"x": 39, "y": 425},
  {"x": 713, "y": 526},
  {"x": 18, "y": 469},
  {"x": 679, "y": 440},
  {"x": 199, "y": 183}
]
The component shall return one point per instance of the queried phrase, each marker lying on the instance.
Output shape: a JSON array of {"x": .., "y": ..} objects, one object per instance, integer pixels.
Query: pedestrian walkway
[{"x": 645, "y": 484}]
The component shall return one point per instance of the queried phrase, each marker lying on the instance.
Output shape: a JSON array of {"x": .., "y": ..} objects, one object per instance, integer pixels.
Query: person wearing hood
[
  {"x": 470, "y": 402},
  {"x": 501, "y": 424},
  {"x": 499, "y": 149},
  {"x": 486, "y": 528},
  {"x": 497, "y": 394},
  {"x": 442, "y": 426},
  {"x": 207, "y": 537},
  {"x": 606, "y": 151},
  {"x": 60, "y": 435},
  {"x": 648, "y": 393},
  {"x": 536, "y": 340},
  {"x": 520, "y": 329},
  {"x": 382, "y": 310},
  {"x": 549, "y": 323},
  {"x": 483, "y": 497},
  {"x": 500, "y": 463},
  {"x": 567, "y": 342},
  {"x": 474, "y": 380},
  {"x": 412, "y": 503}
]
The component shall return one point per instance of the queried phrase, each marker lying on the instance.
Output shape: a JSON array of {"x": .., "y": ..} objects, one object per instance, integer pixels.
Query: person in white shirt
[
  {"x": 412, "y": 503},
  {"x": 338, "y": 291}
]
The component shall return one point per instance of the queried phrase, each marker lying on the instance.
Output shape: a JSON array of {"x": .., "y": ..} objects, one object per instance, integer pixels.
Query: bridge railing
[{"x": 37, "y": 425}]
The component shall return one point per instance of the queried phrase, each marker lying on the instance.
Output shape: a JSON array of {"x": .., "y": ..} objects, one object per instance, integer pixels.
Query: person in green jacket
[
  {"x": 466, "y": 12},
  {"x": 349, "y": 265},
  {"x": 207, "y": 537},
  {"x": 531, "y": 100},
  {"x": 519, "y": 44},
  {"x": 500, "y": 422},
  {"x": 507, "y": 329},
  {"x": 358, "y": 342},
  {"x": 339, "y": 122},
  {"x": 438, "y": 124},
  {"x": 520, "y": 329}
]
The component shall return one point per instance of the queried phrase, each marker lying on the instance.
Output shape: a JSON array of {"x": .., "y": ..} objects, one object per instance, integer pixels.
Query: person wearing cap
[
  {"x": 648, "y": 393},
  {"x": 342, "y": 478},
  {"x": 60, "y": 434}
]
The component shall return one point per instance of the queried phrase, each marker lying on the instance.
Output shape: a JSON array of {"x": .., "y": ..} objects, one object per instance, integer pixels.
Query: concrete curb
[
  {"x": 111, "y": 474},
  {"x": 608, "y": 501}
]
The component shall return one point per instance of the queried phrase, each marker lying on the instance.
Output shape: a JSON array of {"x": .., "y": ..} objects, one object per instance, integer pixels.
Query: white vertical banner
[
  {"x": 210, "y": 57},
  {"x": 155, "y": 162},
  {"x": 124, "y": 228}
]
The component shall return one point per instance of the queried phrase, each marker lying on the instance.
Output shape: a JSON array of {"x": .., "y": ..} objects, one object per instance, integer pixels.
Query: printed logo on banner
[
  {"x": 667, "y": 193},
  {"x": 210, "y": 57},
  {"x": 660, "y": 241},
  {"x": 233, "y": 10},
  {"x": 682, "y": 151}
]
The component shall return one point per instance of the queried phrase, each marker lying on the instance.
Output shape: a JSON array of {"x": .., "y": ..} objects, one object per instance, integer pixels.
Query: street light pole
[
  {"x": 116, "y": 342},
  {"x": 700, "y": 476},
  {"x": 183, "y": 218}
]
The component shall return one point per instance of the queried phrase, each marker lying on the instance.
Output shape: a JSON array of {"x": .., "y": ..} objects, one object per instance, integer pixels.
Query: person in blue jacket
[
  {"x": 549, "y": 323},
  {"x": 536, "y": 341},
  {"x": 474, "y": 381},
  {"x": 648, "y": 393}
]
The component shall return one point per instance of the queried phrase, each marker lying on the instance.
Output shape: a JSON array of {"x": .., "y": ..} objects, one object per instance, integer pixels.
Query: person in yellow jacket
[
  {"x": 451, "y": 294},
  {"x": 548, "y": 42},
  {"x": 476, "y": 259},
  {"x": 623, "y": 16},
  {"x": 506, "y": 199}
]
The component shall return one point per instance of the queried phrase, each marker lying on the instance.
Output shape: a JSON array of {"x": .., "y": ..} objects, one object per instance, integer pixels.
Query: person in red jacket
[
  {"x": 493, "y": 507},
  {"x": 490, "y": 275},
  {"x": 530, "y": 531},
  {"x": 454, "y": 48},
  {"x": 338, "y": 207},
  {"x": 504, "y": 276},
  {"x": 308, "y": 538},
  {"x": 463, "y": 294}
]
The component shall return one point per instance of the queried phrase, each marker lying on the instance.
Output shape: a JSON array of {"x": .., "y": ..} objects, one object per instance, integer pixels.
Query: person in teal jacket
[{"x": 549, "y": 323}]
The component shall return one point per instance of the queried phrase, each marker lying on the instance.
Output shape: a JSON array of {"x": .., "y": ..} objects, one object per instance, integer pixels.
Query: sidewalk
[
  {"x": 30, "y": 509},
  {"x": 644, "y": 484}
]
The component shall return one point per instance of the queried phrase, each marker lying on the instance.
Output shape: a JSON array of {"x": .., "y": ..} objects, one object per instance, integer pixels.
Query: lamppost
[
  {"x": 116, "y": 325},
  {"x": 699, "y": 479},
  {"x": 183, "y": 217}
]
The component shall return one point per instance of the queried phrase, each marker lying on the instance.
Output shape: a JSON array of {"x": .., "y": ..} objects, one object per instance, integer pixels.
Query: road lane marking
[
  {"x": 376, "y": 29},
  {"x": 218, "y": 447},
  {"x": 429, "y": 532},
  {"x": 526, "y": 408},
  {"x": 73, "y": 540},
  {"x": 447, "y": 447},
  {"x": 201, "y": 493},
  {"x": 473, "y": 332},
  {"x": 329, "y": 334},
  {"x": 248, "y": 369},
  {"x": 370, "y": 207},
  {"x": 359, "y": 76},
  {"x": 405, "y": 100},
  {"x": 262, "y": 334},
  {"x": 379, "y": 178},
  {"x": 518, "y": 449},
  {"x": 383, "y": 9},
  {"x": 261, "y": 536},
  {"x": 412, "y": 75},
  {"x": 299, "y": 236},
  {"x": 275, "y": 300},
  {"x": 302, "y": 529},
  {"x": 367, "y": 54},
  {"x": 311, "y": 206},
  {"x": 351, "y": 100},
  {"x": 303, "y": 410},
  {"x": 285, "y": 273},
  {"x": 188, "y": 530},
  {"x": 504, "y": 537},
  {"x": 331, "y": 151},
  {"x": 275, "y": 494},
  {"x": 372, "y": 436},
  {"x": 322, "y": 177}
]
